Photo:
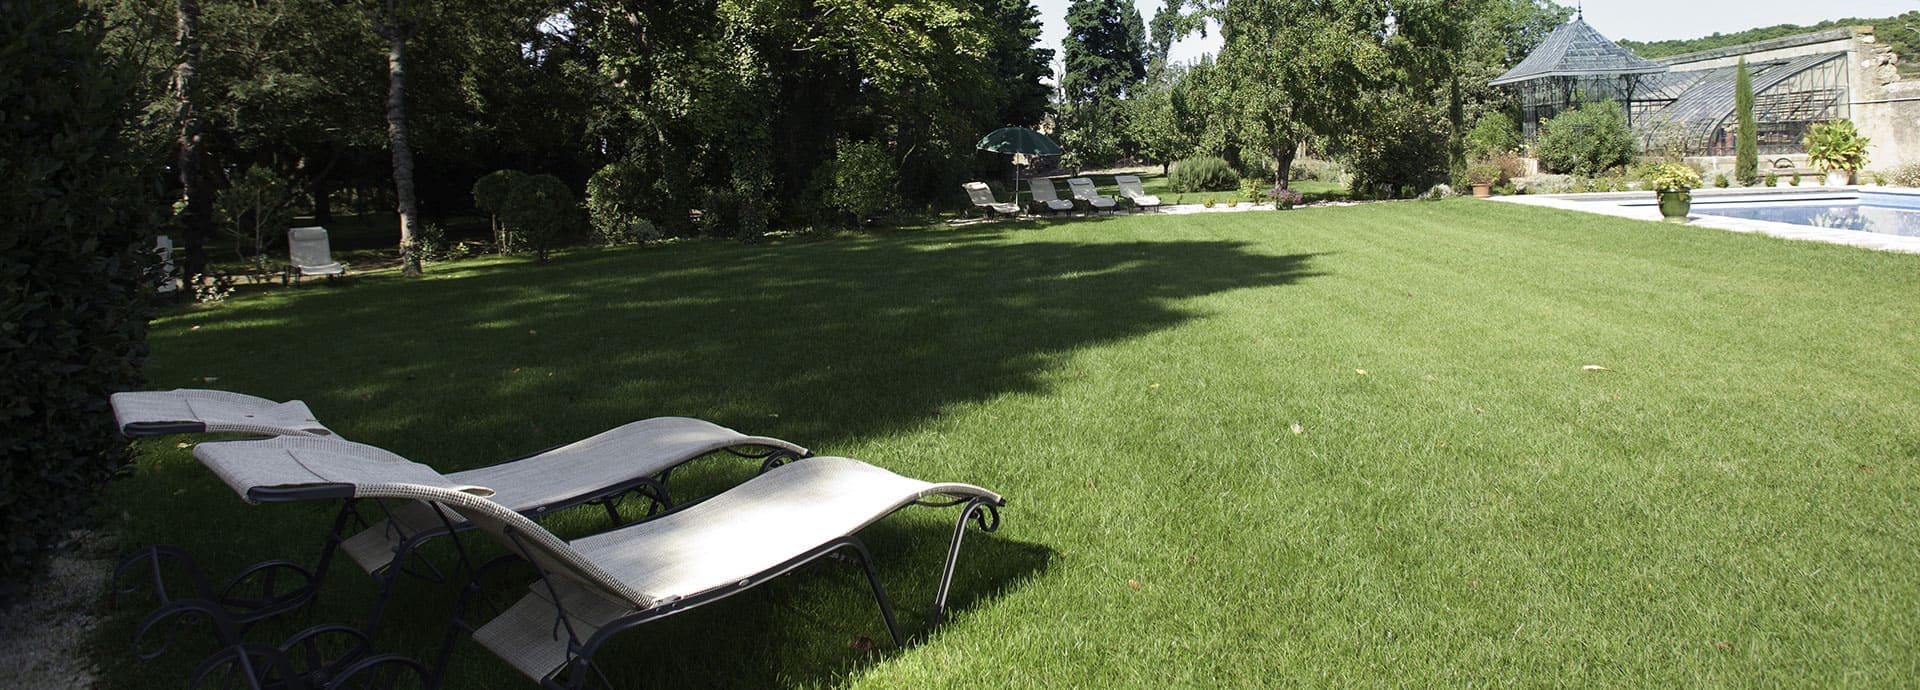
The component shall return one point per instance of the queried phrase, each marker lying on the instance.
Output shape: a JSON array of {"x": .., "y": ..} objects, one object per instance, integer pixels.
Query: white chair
[
  {"x": 1084, "y": 190},
  {"x": 311, "y": 255},
  {"x": 1043, "y": 193},
  {"x": 1131, "y": 189},
  {"x": 981, "y": 196},
  {"x": 163, "y": 245}
]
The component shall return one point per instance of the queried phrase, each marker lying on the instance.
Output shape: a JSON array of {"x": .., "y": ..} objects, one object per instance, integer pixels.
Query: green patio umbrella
[{"x": 1012, "y": 140}]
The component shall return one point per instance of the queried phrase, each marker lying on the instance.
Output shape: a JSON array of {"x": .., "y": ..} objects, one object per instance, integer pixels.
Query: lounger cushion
[{"x": 191, "y": 410}]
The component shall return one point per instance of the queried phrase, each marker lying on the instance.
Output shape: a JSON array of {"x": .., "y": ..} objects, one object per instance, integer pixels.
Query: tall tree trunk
[
  {"x": 391, "y": 28},
  {"x": 1283, "y": 164},
  {"x": 196, "y": 216}
]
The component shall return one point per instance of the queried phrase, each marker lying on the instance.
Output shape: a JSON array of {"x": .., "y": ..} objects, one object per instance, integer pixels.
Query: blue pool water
[{"x": 1878, "y": 212}]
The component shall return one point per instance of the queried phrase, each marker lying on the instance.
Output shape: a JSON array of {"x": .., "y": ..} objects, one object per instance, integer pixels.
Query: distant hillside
[{"x": 1901, "y": 32}]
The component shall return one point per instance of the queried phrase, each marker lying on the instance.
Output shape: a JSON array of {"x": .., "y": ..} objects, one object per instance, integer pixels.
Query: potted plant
[
  {"x": 1674, "y": 183},
  {"x": 1481, "y": 177},
  {"x": 1837, "y": 149}
]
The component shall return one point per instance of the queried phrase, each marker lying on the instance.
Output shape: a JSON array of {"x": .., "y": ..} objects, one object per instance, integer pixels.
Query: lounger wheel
[
  {"x": 247, "y": 666},
  {"x": 382, "y": 672},
  {"x": 257, "y": 594},
  {"x": 174, "y": 615},
  {"x": 326, "y": 652}
]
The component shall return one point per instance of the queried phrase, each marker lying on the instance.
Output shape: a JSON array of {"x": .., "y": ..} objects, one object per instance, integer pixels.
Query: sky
[{"x": 1639, "y": 20}]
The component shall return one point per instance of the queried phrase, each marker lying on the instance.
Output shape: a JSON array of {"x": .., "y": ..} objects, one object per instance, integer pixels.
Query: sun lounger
[
  {"x": 982, "y": 196},
  {"x": 1130, "y": 188},
  {"x": 163, "y": 248},
  {"x": 595, "y": 587},
  {"x": 1084, "y": 190},
  {"x": 636, "y": 458},
  {"x": 1044, "y": 193}
]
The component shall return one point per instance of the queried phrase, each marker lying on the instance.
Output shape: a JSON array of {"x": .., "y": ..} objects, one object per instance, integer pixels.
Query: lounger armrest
[
  {"x": 143, "y": 429},
  {"x": 300, "y": 492}
]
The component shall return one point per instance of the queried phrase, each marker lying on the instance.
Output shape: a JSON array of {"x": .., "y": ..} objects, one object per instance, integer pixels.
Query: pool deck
[{"x": 1643, "y": 206}]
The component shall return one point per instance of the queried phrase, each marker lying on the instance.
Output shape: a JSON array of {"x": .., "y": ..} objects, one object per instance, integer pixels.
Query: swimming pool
[{"x": 1882, "y": 212}]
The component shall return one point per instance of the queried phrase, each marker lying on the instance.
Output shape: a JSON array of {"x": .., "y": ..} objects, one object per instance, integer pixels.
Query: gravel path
[{"x": 41, "y": 636}]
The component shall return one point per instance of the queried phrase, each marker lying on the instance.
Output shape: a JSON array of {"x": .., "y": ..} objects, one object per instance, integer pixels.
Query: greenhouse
[
  {"x": 1693, "y": 111},
  {"x": 1575, "y": 65}
]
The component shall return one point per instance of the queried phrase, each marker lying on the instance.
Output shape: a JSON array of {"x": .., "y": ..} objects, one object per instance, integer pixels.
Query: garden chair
[
  {"x": 163, "y": 246},
  {"x": 1043, "y": 193},
  {"x": 636, "y": 458},
  {"x": 593, "y": 588},
  {"x": 1084, "y": 190},
  {"x": 982, "y": 197},
  {"x": 311, "y": 255},
  {"x": 1130, "y": 188}
]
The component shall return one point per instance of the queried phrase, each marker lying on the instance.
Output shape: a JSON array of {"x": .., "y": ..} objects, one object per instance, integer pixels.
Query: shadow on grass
[{"x": 830, "y": 344}]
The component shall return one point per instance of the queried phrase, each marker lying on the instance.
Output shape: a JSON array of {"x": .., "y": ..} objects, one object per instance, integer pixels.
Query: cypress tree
[{"x": 1746, "y": 157}]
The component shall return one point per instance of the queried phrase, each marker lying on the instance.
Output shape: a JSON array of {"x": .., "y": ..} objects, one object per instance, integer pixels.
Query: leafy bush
[
  {"x": 1672, "y": 177},
  {"x": 1588, "y": 140},
  {"x": 1773, "y": 180},
  {"x": 1257, "y": 166},
  {"x": 1493, "y": 135},
  {"x": 1203, "y": 174},
  {"x": 1794, "y": 179},
  {"x": 490, "y": 194},
  {"x": 1836, "y": 145},
  {"x": 1721, "y": 181},
  {"x": 541, "y": 208},
  {"x": 1318, "y": 170},
  {"x": 615, "y": 195},
  {"x": 1483, "y": 172},
  {"x": 1401, "y": 148},
  {"x": 78, "y": 234},
  {"x": 863, "y": 175}
]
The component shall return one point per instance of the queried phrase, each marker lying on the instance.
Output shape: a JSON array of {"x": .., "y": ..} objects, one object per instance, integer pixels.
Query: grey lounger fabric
[
  {"x": 198, "y": 411},
  {"x": 310, "y": 252},
  {"x": 1043, "y": 192},
  {"x": 607, "y": 464},
  {"x": 981, "y": 196},
  {"x": 1084, "y": 190},
  {"x": 1131, "y": 188},
  {"x": 730, "y": 542}
]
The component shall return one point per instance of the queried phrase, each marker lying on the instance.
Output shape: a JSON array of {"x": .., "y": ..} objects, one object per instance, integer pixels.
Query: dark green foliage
[
  {"x": 1721, "y": 181},
  {"x": 1494, "y": 134},
  {"x": 1586, "y": 141},
  {"x": 1746, "y": 157},
  {"x": 615, "y": 196},
  {"x": 1105, "y": 57},
  {"x": 1203, "y": 174},
  {"x": 490, "y": 196},
  {"x": 1018, "y": 63},
  {"x": 1402, "y": 145},
  {"x": 256, "y": 210},
  {"x": 542, "y": 210},
  {"x": 76, "y": 225},
  {"x": 861, "y": 181}
]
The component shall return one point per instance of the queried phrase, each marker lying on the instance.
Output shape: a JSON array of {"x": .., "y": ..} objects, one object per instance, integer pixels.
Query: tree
[
  {"x": 1292, "y": 68},
  {"x": 1019, "y": 66},
  {"x": 1161, "y": 119},
  {"x": 392, "y": 26},
  {"x": 1746, "y": 157},
  {"x": 196, "y": 196},
  {"x": 1105, "y": 57}
]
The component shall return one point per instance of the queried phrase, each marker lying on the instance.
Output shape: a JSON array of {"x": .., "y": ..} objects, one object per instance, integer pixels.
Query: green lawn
[{"x": 1331, "y": 446}]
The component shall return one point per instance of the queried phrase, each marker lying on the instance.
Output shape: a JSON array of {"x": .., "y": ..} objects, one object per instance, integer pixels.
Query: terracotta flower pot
[{"x": 1482, "y": 191}]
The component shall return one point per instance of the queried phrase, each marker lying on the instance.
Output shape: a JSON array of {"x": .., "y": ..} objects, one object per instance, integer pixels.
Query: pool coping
[{"x": 1643, "y": 206}]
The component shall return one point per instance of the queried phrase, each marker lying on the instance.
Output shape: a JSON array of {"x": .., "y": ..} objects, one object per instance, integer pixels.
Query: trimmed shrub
[
  {"x": 79, "y": 230},
  {"x": 490, "y": 195},
  {"x": 615, "y": 196},
  {"x": 1746, "y": 155},
  {"x": 1588, "y": 140},
  {"x": 1400, "y": 151},
  {"x": 1203, "y": 174},
  {"x": 541, "y": 208},
  {"x": 1493, "y": 135}
]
